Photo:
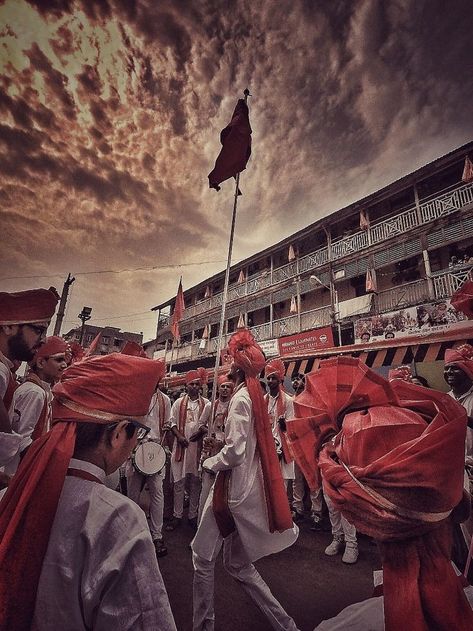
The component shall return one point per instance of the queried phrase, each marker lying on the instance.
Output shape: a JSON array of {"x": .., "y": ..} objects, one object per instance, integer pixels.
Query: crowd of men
[{"x": 388, "y": 458}]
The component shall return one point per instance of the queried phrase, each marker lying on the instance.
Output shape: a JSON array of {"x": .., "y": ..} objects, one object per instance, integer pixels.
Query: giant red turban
[
  {"x": 395, "y": 470},
  {"x": 31, "y": 306},
  {"x": 461, "y": 356},
  {"x": 275, "y": 367},
  {"x": 99, "y": 389},
  {"x": 246, "y": 353},
  {"x": 133, "y": 348},
  {"x": 199, "y": 374}
]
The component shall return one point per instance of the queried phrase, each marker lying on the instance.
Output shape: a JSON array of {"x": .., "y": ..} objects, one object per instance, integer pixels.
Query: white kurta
[
  {"x": 11, "y": 444},
  {"x": 246, "y": 492},
  {"x": 466, "y": 400},
  {"x": 100, "y": 570},
  {"x": 26, "y": 408},
  {"x": 190, "y": 461},
  {"x": 153, "y": 419},
  {"x": 287, "y": 468}
]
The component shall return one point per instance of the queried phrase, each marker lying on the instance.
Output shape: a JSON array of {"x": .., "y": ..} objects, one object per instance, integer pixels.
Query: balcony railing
[
  {"x": 403, "y": 296},
  {"x": 443, "y": 203},
  {"x": 447, "y": 282}
]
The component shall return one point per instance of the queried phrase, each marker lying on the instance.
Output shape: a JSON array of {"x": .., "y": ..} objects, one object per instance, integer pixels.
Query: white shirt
[
  {"x": 466, "y": 400},
  {"x": 11, "y": 444},
  {"x": 246, "y": 497},
  {"x": 287, "y": 468},
  {"x": 100, "y": 570},
  {"x": 5, "y": 373},
  {"x": 194, "y": 420},
  {"x": 152, "y": 418}
]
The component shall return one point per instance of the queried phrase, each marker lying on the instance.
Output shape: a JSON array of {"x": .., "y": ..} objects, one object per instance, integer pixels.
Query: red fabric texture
[
  {"x": 462, "y": 299},
  {"x": 222, "y": 513},
  {"x": 90, "y": 350},
  {"x": 275, "y": 367},
  {"x": 42, "y": 422},
  {"x": 461, "y": 356},
  {"x": 134, "y": 349},
  {"x": 248, "y": 356},
  {"x": 224, "y": 379},
  {"x": 179, "y": 308},
  {"x": 75, "y": 352},
  {"x": 53, "y": 345},
  {"x": 123, "y": 385},
  {"x": 395, "y": 471},
  {"x": 236, "y": 149},
  {"x": 33, "y": 305},
  {"x": 402, "y": 372}
]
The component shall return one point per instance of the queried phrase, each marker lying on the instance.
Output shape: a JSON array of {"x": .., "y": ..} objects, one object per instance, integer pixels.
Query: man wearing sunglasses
[
  {"x": 75, "y": 554},
  {"x": 31, "y": 406},
  {"x": 24, "y": 319}
]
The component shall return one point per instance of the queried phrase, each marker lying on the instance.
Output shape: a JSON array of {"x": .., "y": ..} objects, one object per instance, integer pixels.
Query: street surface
[{"x": 310, "y": 585}]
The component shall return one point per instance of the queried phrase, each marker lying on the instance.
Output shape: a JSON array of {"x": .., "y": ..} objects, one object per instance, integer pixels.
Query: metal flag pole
[{"x": 246, "y": 92}]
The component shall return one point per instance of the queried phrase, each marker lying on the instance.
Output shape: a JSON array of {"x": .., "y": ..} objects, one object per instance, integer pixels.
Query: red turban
[
  {"x": 402, "y": 372},
  {"x": 224, "y": 379},
  {"x": 395, "y": 470},
  {"x": 199, "y": 374},
  {"x": 133, "y": 348},
  {"x": 248, "y": 356},
  {"x": 75, "y": 352},
  {"x": 53, "y": 345},
  {"x": 275, "y": 367},
  {"x": 98, "y": 389},
  {"x": 31, "y": 306},
  {"x": 461, "y": 356}
]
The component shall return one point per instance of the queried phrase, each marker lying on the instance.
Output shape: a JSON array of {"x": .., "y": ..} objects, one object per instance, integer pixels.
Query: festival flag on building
[
  {"x": 462, "y": 299},
  {"x": 178, "y": 312},
  {"x": 207, "y": 292},
  {"x": 370, "y": 284},
  {"x": 291, "y": 254},
  {"x": 205, "y": 337},
  {"x": 241, "y": 322},
  {"x": 467, "y": 170},
  {"x": 293, "y": 308},
  {"x": 364, "y": 221},
  {"x": 241, "y": 277},
  {"x": 236, "y": 147},
  {"x": 93, "y": 345}
]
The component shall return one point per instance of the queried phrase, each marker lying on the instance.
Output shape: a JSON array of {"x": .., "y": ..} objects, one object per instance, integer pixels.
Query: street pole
[
  {"x": 62, "y": 304},
  {"x": 83, "y": 316}
]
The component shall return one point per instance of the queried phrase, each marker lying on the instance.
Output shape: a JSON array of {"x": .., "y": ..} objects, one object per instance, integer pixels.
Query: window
[
  {"x": 105, "y": 339},
  {"x": 116, "y": 342}
]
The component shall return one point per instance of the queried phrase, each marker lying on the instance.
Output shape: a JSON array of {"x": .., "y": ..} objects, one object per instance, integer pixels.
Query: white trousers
[
  {"x": 207, "y": 482},
  {"x": 237, "y": 564},
  {"x": 156, "y": 496},
  {"x": 298, "y": 490},
  {"x": 341, "y": 528},
  {"x": 194, "y": 493}
]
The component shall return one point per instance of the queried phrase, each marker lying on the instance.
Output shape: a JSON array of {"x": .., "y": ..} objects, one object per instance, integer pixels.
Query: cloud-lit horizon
[{"x": 110, "y": 114}]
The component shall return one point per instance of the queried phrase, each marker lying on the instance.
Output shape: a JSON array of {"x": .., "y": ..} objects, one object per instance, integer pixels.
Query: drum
[{"x": 148, "y": 458}]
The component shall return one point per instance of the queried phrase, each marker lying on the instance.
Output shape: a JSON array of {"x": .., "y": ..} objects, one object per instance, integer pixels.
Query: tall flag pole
[
  {"x": 177, "y": 314},
  {"x": 232, "y": 159}
]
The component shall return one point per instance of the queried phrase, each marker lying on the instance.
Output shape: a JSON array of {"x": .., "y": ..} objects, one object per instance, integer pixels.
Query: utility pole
[
  {"x": 62, "y": 305},
  {"x": 83, "y": 316}
]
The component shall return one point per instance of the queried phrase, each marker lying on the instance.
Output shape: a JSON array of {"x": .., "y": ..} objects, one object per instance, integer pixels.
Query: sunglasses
[{"x": 141, "y": 430}]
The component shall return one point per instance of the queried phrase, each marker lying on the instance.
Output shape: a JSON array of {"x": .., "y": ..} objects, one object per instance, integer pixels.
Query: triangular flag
[
  {"x": 291, "y": 254},
  {"x": 134, "y": 349},
  {"x": 467, "y": 170},
  {"x": 205, "y": 334},
  {"x": 207, "y": 292},
  {"x": 241, "y": 277},
  {"x": 370, "y": 284},
  {"x": 178, "y": 312},
  {"x": 241, "y": 322},
  {"x": 364, "y": 221},
  {"x": 293, "y": 307},
  {"x": 236, "y": 149},
  {"x": 93, "y": 345}
]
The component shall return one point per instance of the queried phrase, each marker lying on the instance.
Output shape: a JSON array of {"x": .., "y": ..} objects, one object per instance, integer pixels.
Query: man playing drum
[{"x": 146, "y": 461}]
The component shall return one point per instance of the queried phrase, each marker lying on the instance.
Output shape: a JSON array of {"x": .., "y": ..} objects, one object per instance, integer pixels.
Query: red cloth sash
[
  {"x": 179, "y": 455},
  {"x": 222, "y": 513},
  {"x": 162, "y": 409},
  {"x": 281, "y": 410},
  {"x": 42, "y": 423}
]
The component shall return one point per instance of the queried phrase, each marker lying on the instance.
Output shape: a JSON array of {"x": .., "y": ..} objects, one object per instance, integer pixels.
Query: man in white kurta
[
  {"x": 157, "y": 418},
  {"x": 251, "y": 539},
  {"x": 100, "y": 549},
  {"x": 189, "y": 418}
]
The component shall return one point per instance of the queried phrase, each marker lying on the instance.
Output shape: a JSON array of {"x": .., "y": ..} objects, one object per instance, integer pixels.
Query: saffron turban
[
  {"x": 275, "y": 367},
  {"x": 199, "y": 374},
  {"x": 53, "y": 345},
  {"x": 224, "y": 379},
  {"x": 246, "y": 353},
  {"x": 28, "y": 307},
  {"x": 461, "y": 356}
]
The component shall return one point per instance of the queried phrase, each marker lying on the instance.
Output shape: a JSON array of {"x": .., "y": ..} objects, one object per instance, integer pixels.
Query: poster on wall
[
  {"x": 421, "y": 320},
  {"x": 307, "y": 341}
]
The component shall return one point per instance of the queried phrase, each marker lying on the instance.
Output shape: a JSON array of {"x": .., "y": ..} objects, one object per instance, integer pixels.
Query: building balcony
[{"x": 442, "y": 204}]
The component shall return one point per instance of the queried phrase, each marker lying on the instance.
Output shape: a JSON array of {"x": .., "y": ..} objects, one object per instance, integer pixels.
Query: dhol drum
[{"x": 148, "y": 458}]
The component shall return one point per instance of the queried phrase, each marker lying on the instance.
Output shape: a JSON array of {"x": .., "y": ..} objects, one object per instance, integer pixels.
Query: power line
[{"x": 114, "y": 271}]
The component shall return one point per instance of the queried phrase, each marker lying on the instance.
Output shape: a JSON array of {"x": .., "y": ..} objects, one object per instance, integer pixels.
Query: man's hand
[
  {"x": 282, "y": 423},
  {"x": 182, "y": 440},
  {"x": 4, "y": 480},
  {"x": 198, "y": 434}
]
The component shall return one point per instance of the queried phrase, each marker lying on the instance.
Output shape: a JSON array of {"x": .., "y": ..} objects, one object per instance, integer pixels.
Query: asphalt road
[{"x": 310, "y": 585}]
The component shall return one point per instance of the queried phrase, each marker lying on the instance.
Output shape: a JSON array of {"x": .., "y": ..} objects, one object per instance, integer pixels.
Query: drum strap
[{"x": 85, "y": 475}]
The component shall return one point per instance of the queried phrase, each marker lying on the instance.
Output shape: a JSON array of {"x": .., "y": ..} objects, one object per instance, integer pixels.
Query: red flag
[
  {"x": 291, "y": 256},
  {"x": 364, "y": 221},
  {"x": 178, "y": 311},
  {"x": 93, "y": 345},
  {"x": 293, "y": 308},
  {"x": 370, "y": 285},
  {"x": 462, "y": 299},
  {"x": 467, "y": 170},
  {"x": 236, "y": 149}
]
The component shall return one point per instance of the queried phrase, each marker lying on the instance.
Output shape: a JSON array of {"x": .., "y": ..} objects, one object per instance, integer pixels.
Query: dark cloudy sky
[{"x": 110, "y": 119}]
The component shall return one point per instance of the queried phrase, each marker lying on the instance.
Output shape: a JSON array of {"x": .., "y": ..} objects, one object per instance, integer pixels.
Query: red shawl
[{"x": 179, "y": 455}]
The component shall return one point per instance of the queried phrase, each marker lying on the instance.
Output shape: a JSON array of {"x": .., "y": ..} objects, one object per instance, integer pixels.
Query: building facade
[
  {"x": 111, "y": 339},
  {"x": 377, "y": 274}
]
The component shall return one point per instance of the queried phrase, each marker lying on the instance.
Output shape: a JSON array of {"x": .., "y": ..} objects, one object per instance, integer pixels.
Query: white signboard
[{"x": 269, "y": 347}]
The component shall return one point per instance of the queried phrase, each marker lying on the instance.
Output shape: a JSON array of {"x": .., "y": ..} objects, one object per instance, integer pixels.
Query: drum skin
[{"x": 148, "y": 458}]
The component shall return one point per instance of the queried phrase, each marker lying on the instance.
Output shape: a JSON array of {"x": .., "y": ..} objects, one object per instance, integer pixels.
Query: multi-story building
[
  {"x": 111, "y": 339},
  {"x": 373, "y": 279}
]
